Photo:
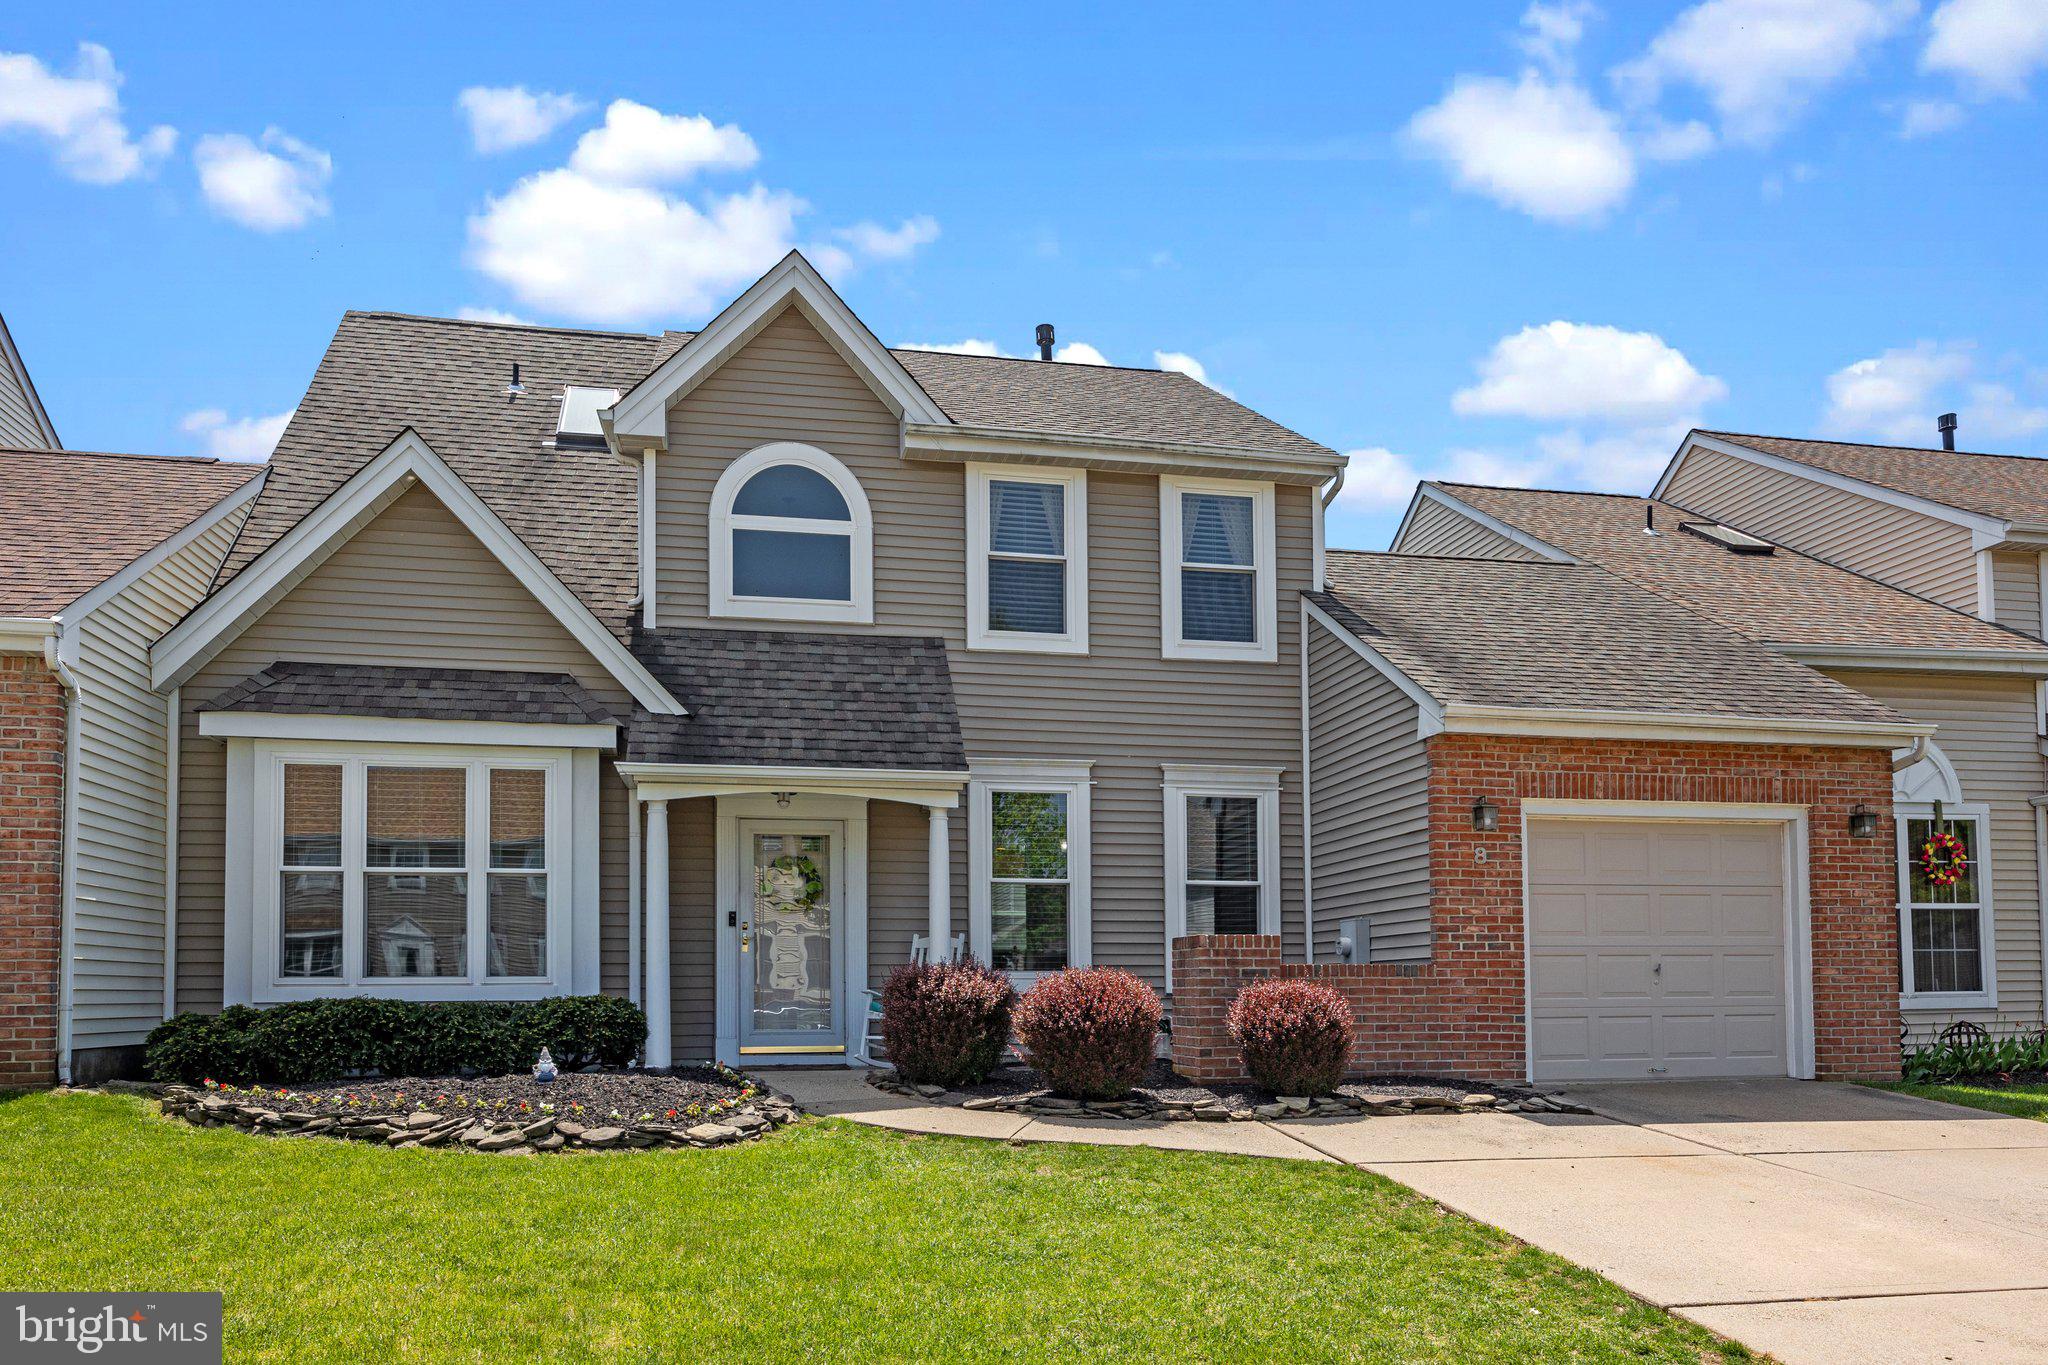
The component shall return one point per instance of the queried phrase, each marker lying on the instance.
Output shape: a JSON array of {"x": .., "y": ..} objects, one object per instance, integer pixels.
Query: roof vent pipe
[
  {"x": 1947, "y": 423},
  {"x": 1045, "y": 341},
  {"x": 515, "y": 388},
  {"x": 1649, "y": 518}
]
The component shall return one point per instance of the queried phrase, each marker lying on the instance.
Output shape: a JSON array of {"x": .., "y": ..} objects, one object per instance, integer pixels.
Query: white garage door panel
[{"x": 1656, "y": 949}]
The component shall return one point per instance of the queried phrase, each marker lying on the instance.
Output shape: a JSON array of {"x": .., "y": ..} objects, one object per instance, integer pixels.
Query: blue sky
[{"x": 1511, "y": 242}]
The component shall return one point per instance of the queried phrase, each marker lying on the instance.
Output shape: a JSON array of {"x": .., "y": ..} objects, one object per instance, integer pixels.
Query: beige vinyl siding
[
  {"x": 692, "y": 937},
  {"x": 1987, "y": 732},
  {"x": 1907, "y": 549},
  {"x": 2016, "y": 589},
  {"x": 413, "y": 587},
  {"x": 1369, "y": 797},
  {"x": 1122, "y": 706},
  {"x": 117, "y": 969},
  {"x": 18, "y": 425},
  {"x": 1437, "y": 529}
]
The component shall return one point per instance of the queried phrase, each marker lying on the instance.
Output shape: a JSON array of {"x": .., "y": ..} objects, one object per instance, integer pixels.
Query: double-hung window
[
  {"x": 1222, "y": 851},
  {"x": 1945, "y": 908},
  {"x": 1027, "y": 537},
  {"x": 1028, "y": 834},
  {"x": 1216, "y": 548}
]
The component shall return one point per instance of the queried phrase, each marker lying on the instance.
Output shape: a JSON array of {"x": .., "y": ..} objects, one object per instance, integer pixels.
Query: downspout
[
  {"x": 1322, "y": 536},
  {"x": 1914, "y": 753},
  {"x": 173, "y": 745},
  {"x": 54, "y": 654},
  {"x": 1308, "y": 826}
]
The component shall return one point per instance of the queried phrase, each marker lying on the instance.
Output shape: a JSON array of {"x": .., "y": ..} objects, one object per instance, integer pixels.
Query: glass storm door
[{"x": 789, "y": 958}]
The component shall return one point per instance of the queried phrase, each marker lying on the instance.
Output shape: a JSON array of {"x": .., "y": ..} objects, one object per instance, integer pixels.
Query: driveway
[{"x": 1815, "y": 1222}]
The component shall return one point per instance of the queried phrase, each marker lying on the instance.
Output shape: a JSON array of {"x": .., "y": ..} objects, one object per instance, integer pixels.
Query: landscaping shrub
[
  {"x": 1090, "y": 1031},
  {"x": 1295, "y": 1035},
  {"x": 1966, "y": 1054},
  {"x": 946, "y": 1023},
  {"x": 309, "y": 1041}
]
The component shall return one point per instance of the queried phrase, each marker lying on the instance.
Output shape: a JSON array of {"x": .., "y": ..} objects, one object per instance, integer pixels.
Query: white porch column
[
  {"x": 939, "y": 895},
  {"x": 655, "y": 884}
]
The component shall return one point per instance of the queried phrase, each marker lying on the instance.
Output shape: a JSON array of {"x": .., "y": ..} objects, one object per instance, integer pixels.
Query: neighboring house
[
  {"x": 24, "y": 425},
  {"x": 99, "y": 554}
]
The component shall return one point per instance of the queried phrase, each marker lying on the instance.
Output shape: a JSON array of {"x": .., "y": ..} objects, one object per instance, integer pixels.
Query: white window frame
[
  {"x": 1987, "y": 922},
  {"x": 255, "y": 860},
  {"x": 1184, "y": 780},
  {"x": 724, "y": 521},
  {"x": 1074, "y": 486},
  {"x": 1265, "y": 646},
  {"x": 1071, "y": 780}
]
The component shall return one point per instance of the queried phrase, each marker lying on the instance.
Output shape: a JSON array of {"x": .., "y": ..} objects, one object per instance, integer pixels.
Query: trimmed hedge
[
  {"x": 946, "y": 1023},
  {"x": 310, "y": 1041},
  {"x": 1090, "y": 1031},
  {"x": 1295, "y": 1035}
]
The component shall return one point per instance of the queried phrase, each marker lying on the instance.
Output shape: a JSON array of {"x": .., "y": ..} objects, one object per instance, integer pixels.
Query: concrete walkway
[{"x": 1820, "y": 1223}]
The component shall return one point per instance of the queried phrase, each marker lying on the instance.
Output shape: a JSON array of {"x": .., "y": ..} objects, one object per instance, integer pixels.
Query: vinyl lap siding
[
  {"x": 1904, "y": 548},
  {"x": 1369, "y": 797},
  {"x": 2016, "y": 589},
  {"x": 123, "y": 743},
  {"x": 1987, "y": 732},
  {"x": 1436, "y": 529},
  {"x": 18, "y": 425}
]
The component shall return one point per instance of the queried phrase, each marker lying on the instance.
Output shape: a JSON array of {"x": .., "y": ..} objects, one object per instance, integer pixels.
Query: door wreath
[
  {"x": 1943, "y": 859},
  {"x": 797, "y": 867}
]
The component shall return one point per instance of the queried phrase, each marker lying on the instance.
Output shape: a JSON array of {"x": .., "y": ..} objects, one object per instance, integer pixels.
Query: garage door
[{"x": 1657, "y": 949}]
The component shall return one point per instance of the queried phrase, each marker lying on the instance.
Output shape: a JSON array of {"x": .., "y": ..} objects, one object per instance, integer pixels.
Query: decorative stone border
[
  {"x": 1041, "y": 1105},
  {"x": 400, "y": 1129}
]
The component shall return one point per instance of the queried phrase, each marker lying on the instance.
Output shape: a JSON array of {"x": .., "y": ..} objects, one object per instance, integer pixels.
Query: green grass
[
  {"x": 824, "y": 1241},
  {"x": 2025, "y": 1099}
]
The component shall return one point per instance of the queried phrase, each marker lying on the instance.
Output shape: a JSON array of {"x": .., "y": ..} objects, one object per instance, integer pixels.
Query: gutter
[
  {"x": 2026, "y": 663},
  {"x": 1571, "y": 722}
]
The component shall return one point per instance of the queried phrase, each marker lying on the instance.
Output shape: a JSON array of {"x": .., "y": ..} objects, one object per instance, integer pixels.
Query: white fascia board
[
  {"x": 1574, "y": 723},
  {"x": 406, "y": 461},
  {"x": 1430, "y": 711},
  {"x": 640, "y": 419},
  {"x": 26, "y": 634},
  {"x": 682, "y": 781},
  {"x": 999, "y": 445},
  {"x": 405, "y": 730},
  {"x": 1985, "y": 530},
  {"x": 2015, "y": 662},
  {"x": 1433, "y": 492}
]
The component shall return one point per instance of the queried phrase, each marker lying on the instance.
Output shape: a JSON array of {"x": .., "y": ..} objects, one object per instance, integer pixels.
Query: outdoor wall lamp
[
  {"x": 1862, "y": 822},
  {"x": 1485, "y": 816}
]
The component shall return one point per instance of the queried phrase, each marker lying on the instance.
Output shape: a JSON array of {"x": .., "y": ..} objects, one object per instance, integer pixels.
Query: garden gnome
[{"x": 544, "y": 1069}]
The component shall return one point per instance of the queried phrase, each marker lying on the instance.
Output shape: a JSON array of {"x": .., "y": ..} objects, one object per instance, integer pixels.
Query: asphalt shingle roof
[
  {"x": 2014, "y": 487},
  {"x": 1490, "y": 632},
  {"x": 1783, "y": 598},
  {"x": 800, "y": 699},
  {"x": 71, "y": 519},
  {"x": 328, "y": 689}
]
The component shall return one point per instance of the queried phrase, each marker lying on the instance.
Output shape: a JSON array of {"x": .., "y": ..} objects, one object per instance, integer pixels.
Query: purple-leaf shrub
[
  {"x": 1090, "y": 1031},
  {"x": 946, "y": 1023},
  {"x": 1295, "y": 1035}
]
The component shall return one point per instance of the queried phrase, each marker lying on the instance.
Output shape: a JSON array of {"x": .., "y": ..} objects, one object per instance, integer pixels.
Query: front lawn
[
  {"x": 823, "y": 1241},
  {"x": 2024, "y": 1099}
]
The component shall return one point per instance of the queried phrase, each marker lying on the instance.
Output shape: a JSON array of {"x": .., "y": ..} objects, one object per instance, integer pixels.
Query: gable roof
[
  {"x": 2014, "y": 487},
  {"x": 71, "y": 519},
  {"x": 1783, "y": 598},
  {"x": 1534, "y": 635},
  {"x": 32, "y": 422}
]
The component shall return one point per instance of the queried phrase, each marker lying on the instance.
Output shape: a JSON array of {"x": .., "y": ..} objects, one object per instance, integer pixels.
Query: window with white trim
[
  {"x": 1222, "y": 850},
  {"x": 791, "y": 538},
  {"x": 1945, "y": 922},
  {"x": 1028, "y": 861},
  {"x": 388, "y": 870},
  {"x": 1216, "y": 546},
  {"x": 1027, "y": 548}
]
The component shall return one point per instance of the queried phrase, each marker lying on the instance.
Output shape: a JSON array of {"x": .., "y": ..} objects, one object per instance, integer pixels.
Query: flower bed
[{"x": 516, "y": 1115}]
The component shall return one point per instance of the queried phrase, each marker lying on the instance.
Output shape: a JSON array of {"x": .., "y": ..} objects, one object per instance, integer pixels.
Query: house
[
  {"x": 23, "y": 422},
  {"x": 99, "y": 554}
]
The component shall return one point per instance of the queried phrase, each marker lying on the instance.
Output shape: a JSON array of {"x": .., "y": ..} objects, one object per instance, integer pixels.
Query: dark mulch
[
  {"x": 1163, "y": 1084},
  {"x": 600, "y": 1093}
]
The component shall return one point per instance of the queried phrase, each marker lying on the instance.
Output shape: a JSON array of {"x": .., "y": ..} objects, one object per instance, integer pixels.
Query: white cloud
[
  {"x": 1573, "y": 371},
  {"x": 276, "y": 184},
  {"x": 1760, "y": 62},
  {"x": 1377, "y": 479},
  {"x": 1614, "y": 461},
  {"x": 1995, "y": 411},
  {"x": 1925, "y": 118},
  {"x": 971, "y": 346},
  {"x": 1079, "y": 353},
  {"x": 878, "y": 243},
  {"x": 1540, "y": 146},
  {"x": 1661, "y": 141},
  {"x": 502, "y": 117},
  {"x": 642, "y": 146},
  {"x": 1991, "y": 46},
  {"x": 1551, "y": 31},
  {"x": 1180, "y": 362},
  {"x": 245, "y": 438},
  {"x": 78, "y": 116},
  {"x": 472, "y": 313},
  {"x": 1892, "y": 395}
]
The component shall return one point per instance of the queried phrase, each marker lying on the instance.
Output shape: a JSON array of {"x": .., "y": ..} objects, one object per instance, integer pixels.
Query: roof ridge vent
[{"x": 1728, "y": 538}]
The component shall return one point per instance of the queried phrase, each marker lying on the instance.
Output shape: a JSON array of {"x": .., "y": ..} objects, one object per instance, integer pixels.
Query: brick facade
[
  {"x": 31, "y": 867},
  {"x": 1462, "y": 1012}
]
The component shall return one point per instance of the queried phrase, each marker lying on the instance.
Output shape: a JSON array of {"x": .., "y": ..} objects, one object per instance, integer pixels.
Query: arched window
[{"x": 791, "y": 538}]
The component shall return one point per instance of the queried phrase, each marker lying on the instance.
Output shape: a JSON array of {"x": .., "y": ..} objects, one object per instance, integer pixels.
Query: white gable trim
[
  {"x": 12, "y": 359},
  {"x": 639, "y": 420},
  {"x": 1434, "y": 493},
  {"x": 1430, "y": 717},
  {"x": 406, "y": 462},
  {"x": 1985, "y": 531}
]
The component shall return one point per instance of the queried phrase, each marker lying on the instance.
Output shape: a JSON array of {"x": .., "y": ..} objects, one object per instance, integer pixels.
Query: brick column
[
  {"x": 1208, "y": 972},
  {"x": 31, "y": 868}
]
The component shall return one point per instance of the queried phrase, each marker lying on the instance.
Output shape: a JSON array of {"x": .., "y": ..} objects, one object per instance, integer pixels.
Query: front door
[{"x": 791, "y": 960}]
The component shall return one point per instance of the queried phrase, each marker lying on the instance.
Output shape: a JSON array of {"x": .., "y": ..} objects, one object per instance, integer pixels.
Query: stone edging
[
  {"x": 1042, "y": 1105},
  {"x": 424, "y": 1128}
]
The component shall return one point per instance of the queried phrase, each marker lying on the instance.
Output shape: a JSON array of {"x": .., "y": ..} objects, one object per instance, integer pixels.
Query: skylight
[
  {"x": 1728, "y": 538},
  {"x": 578, "y": 425}
]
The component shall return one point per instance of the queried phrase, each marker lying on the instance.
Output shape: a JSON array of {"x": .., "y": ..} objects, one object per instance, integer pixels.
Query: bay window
[
  {"x": 1216, "y": 547},
  {"x": 1028, "y": 864},
  {"x": 1945, "y": 943},
  {"x": 1027, "y": 559}
]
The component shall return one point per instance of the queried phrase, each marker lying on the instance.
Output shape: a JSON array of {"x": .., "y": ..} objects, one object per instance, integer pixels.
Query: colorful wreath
[
  {"x": 813, "y": 879},
  {"x": 1943, "y": 859}
]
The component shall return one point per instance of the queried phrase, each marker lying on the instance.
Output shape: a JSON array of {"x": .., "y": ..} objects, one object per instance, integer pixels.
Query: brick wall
[
  {"x": 1463, "y": 1011},
  {"x": 31, "y": 867}
]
